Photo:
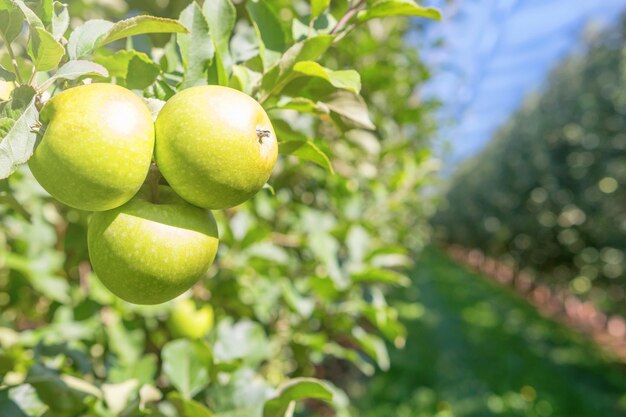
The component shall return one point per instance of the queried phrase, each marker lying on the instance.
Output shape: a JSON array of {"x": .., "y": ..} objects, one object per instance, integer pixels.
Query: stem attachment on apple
[
  {"x": 154, "y": 176},
  {"x": 262, "y": 133}
]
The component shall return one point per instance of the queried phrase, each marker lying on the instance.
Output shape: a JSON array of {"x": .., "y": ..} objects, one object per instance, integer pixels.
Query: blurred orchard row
[{"x": 547, "y": 195}]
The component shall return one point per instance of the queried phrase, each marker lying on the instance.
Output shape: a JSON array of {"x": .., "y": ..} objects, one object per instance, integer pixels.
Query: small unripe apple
[
  {"x": 188, "y": 321},
  {"x": 148, "y": 252},
  {"x": 215, "y": 146},
  {"x": 97, "y": 146}
]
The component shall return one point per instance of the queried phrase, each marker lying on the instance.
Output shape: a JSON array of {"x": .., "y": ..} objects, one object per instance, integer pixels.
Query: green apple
[
  {"x": 148, "y": 252},
  {"x": 97, "y": 146},
  {"x": 188, "y": 321},
  {"x": 215, "y": 146}
]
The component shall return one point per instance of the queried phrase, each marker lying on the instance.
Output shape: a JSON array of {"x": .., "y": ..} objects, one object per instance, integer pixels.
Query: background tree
[{"x": 547, "y": 192}]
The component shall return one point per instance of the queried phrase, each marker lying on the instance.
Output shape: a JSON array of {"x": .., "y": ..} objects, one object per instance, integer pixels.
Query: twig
[
  {"x": 311, "y": 22},
  {"x": 12, "y": 56},
  {"x": 8, "y": 198},
  {"x": 344, "y": 33},
  {"x": 32, "y": 77},
  {"x": 83, "y": 273},
  {"x": 354, "y": 9}
]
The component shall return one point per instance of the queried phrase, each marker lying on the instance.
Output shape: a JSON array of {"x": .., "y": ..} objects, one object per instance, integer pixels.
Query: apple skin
[
  {"x": 188, "y": 321},
  {"x": 147, "y": 253},
  {"x": 97, "y": 146},
  {"x": 208, "y": 148}
]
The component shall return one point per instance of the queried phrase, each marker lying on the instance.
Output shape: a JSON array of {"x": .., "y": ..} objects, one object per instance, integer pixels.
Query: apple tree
[
  {"x": 555, "y": 209},
  {"x": 105, "y": 216}
]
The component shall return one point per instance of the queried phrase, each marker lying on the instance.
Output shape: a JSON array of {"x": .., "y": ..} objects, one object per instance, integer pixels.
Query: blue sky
[{"x": 496, "y": 52}]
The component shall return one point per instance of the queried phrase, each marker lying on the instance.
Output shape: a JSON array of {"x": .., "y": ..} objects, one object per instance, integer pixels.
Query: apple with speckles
[
  {"x": 96, "y": 148},
  {"x": 152, "y": 248},
  {"x": 215, "y": 146}
]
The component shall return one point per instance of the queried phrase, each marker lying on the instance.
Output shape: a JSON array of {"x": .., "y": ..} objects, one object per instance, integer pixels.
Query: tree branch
[{"x": 354, "y": 9}]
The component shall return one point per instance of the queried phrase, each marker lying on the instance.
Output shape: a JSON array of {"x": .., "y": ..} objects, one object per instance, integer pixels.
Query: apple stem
[
  {"x": 154, "y": 175},
  {"x": 262, "y": 133},
  {"x": 38, "y": 128}
]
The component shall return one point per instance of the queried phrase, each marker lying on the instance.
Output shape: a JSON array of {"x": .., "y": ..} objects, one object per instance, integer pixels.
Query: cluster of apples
[{"x": 214, "y": 146}]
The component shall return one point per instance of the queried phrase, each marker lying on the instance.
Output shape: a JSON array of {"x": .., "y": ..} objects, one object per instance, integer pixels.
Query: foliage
[
  {"x": 299, "y": 287},
  {"x": 548, "y": 192}
]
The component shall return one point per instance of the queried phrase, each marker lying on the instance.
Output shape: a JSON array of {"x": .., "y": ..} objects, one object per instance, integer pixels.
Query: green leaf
[
  {"x": 60, "y": 20},
  {"x": 307, "y": 50},
  {"x": 170, "y": 62},
  {"x": 40, "y": 266},
  {"x": 31, "y": 17},
  {"x": 162, "y": 90},
  {"x": 245, "y": 340},
  {"x": 148, "y": 393},
  {"x": 44, "y": 49},
  {"x": 303, "y": 105},
  {"x": 245, "y": 44},
  {"x": 295, "y": 390},
  {"x": 21, "y": 401},
  {"x": 11, "y": 21},
  {"x": 345, "y": 79},
  {"x": 243, "y": 79},
  {"x": 324, "y": 24},
  {"x": 318, "y": 7},
  {"x": 350, "y": 109},
  {"x": 304, "y": 306},
  {"x": 6, "y": 124},
  {"x": 96, "y": 33},
  {"x": 308, "y": 151},
  {"x": 187, "y": 407},
  {"x": 217, "y": 73},
  {"x": 116, "y": 63},
  {"x": 140, "y": 25},
  {"x": 83, "y": 39},
  {"x": 350, "y": 355},
  {"x": 221, "y": 16},
  {"x": 186, "y": 363},
  {"x": 384, "y": 8},
  {"x": 142, "y": 370},
  {"x": 54, "y": 287},
  {"x": 118, "y": 395},
  {"x": 75, "y": 69},
  {"x": 17, "y": 146},
  {"x": 142, "y": 72},
  {"x": 24, "y": 65},
  {"x": 13, "y": 108},
  {"x": 55, "y": 392},
  {"x": 310, "y": 79},
  {"x": 196, "y": 48},
  {"x": 374, "y": 346},
  {"x": 45, "y": 10},
  {"x": 135, "y": 68},
  {"x": 269, "y": 31},
  {"x": 125, "y": 343},
  {"x": 6, "y": 75},
  {"x": 279, "y": 75},
  {"x": 286, "y": 131},
  {"x": 242, "y": 395},
  {"x": 381, "y": 276},
  {"x": 385, "y": 318}
]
